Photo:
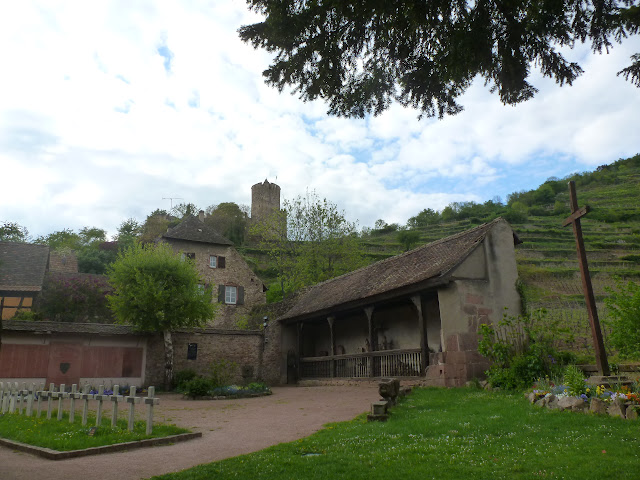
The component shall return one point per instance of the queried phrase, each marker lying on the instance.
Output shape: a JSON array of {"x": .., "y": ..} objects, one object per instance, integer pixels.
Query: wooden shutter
[
  {"x": 240, "y": 299},
  {"x": 221, "y": 293},
  {"x": 220, "y": 262}
]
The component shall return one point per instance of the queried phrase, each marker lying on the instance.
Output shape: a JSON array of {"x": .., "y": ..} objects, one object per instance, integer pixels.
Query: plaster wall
[
  {"x": 236, "y": 272},
  {"x": 102, "y": 355},
  {"x": 470, "y": 300}
]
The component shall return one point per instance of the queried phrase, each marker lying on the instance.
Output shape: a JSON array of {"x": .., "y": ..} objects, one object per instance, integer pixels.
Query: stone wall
[
  {"x": 242, "y": 347},
  {"x": 265, "y": 198},
  {"x": 236, "y": 272}
]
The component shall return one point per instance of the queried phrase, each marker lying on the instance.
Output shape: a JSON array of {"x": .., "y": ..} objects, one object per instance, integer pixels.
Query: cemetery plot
[{"x": 23, "y": 418}]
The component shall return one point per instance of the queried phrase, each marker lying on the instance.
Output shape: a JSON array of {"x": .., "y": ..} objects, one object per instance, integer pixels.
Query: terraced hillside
[{"x": 547, "y": 259}]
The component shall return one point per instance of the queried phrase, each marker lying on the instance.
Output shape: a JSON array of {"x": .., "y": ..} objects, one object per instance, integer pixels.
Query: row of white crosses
[{"x": 13, "y": 399}]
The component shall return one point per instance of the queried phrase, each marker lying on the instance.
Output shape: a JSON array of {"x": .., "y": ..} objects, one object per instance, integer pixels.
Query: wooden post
[
  {"x": 332, "y": 362},
  {"x": 150, "y": 401},
  {"x": 115, "y": 398},
  {"x": 132, "y": 400},
  {"x": 299, "y": 351},
  {"x": 369, "y": 313},
  {"x": 424, "y": 352},
  {"x": 596, "y": 333}
]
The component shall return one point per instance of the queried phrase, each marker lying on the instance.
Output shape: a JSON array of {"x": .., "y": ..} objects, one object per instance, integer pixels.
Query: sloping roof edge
[{"x": 436, "y": 262}]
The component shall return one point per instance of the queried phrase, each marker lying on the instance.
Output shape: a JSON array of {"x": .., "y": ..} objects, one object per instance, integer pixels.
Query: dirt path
[{"x": 229, "y": 428}]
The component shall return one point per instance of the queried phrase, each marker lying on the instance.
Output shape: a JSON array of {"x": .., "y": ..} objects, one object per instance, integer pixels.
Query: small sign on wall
[{"x": 192, "y": 351}]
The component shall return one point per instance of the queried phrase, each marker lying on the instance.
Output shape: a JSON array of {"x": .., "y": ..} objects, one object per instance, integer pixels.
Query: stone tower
[{"x": 265, "y": 198}]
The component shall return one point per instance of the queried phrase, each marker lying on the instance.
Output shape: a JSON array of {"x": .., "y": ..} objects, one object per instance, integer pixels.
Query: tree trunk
[{"x": 168, "y": 360}]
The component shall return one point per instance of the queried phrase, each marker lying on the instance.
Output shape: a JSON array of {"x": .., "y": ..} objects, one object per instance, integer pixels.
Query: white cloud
[{"x": 97, "y": 130}]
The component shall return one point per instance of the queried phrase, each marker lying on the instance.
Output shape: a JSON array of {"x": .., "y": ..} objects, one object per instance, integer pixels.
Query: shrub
[
  {"x": 182, "y": 377},
  {"x": 221, "y": 372},
  {"x": 517, "y": 364},
  {"x": 574, "y": 380},
  {"x": 623, "y": 305},
  {"x": 198, "y": 387}
]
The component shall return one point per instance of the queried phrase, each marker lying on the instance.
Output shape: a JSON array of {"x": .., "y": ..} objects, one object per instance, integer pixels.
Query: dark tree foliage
[
  {"x": 229, "y": 219},
  {"x": 361, "y": 55}
]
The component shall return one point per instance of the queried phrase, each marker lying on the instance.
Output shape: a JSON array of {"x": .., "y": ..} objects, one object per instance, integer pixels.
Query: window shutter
[
  {"x": 220, "y": 262},
  {"x": 221, "y": 293},
  {"x": 240, "y": 300}
]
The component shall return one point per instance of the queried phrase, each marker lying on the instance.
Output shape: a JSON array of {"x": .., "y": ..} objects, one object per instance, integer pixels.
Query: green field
[{"x": 449, "y": 434}]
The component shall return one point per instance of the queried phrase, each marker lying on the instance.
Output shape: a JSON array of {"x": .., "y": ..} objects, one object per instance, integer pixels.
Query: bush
[
  {"x": 574, "y": 380},
  {"x": 182, "y": 377},
  {"x": 623, "y": 305},
  {"x": 221, "y": 372},
  {"x": 198, "y": 387},
  {"x": 518, "y": 364}
]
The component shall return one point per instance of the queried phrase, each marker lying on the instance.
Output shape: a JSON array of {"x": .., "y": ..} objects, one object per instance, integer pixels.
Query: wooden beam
[
  {"x": 587, "y": 288},
  {"x": 369, "y": 312},
  {"x": 576, "y": 215},
  {"x": 332, "y": 362},
  {"x": 424, "y": 356}
]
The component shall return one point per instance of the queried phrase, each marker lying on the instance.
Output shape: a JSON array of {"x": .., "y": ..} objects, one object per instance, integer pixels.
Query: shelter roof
[
  {"x": 192, "y": 229},
  {"x": 428, "y": 264},
  {"x": 22, "y": 266}
]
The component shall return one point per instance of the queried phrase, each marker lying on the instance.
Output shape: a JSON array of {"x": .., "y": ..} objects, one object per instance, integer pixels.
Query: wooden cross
[{"x": 574, "y": 218}]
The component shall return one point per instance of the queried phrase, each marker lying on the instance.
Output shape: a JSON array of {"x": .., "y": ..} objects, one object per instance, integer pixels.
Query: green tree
[
  {"x": 13, "y": 232},
  {"x": 128, "y": 233},
  {"x": 310, "y": 241},
  {"x": 230, "y": 219},
  {"x": 408, "y": 238},
  {"x": 424, "y": 218},
  {"x": 623, "y": 305},
  {"x": 156, "y": 291},
  {"x": 359, "y": 56}
]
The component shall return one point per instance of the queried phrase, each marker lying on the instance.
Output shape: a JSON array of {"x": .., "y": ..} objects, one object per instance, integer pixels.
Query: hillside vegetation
[{"x": 547, "y": 260}]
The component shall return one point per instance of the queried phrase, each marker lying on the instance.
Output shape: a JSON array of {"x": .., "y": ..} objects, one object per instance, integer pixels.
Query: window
[
  {"x": 230, "y": 294},
  {"x": 216, "y": 261},
  {"x": 190, "y": 256}
]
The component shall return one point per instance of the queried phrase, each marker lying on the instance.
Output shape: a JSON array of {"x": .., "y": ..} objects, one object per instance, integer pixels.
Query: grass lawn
[
  {"x": 450, "y": 434},
  {"x": 63, "y": 436}
]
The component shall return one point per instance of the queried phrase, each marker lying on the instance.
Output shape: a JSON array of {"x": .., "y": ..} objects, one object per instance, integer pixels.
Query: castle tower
[{"x": 265, "y": 198}]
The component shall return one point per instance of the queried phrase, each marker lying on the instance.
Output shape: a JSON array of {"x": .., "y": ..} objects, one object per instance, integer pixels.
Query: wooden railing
[{"x": 386, "y": 363}]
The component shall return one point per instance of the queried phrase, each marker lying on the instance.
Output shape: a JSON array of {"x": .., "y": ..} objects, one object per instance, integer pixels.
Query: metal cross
[{"x": 596, "y": 333}]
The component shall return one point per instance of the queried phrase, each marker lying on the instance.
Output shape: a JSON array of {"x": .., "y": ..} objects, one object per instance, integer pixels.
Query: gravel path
[{"x": 229, "y": 428}]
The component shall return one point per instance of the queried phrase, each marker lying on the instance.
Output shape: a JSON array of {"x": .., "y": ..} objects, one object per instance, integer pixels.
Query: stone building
[
  {"x": 265, "y": 199},
  {"x": 416, "y": 314},
  {"x": 219, "y": 264},
  {"x": 22, "y": 272}
]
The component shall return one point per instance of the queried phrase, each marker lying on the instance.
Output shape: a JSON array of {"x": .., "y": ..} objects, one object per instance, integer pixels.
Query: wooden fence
[
  {"x": 385, "y": 363},
  {"x": 21, "y": 401}
]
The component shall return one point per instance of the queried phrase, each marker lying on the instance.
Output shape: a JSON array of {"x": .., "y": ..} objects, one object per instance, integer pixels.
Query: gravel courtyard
[{"x": 229, "y": 428}]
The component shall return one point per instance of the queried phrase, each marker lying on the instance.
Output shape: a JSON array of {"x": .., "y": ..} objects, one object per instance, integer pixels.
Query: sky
[{"x": 110, "y": 110}]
